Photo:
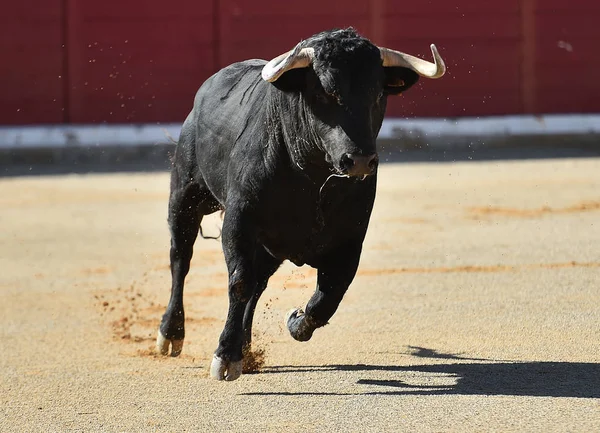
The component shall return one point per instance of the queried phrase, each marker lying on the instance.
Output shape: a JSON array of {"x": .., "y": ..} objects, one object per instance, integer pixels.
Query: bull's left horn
[
  {"x": 297, "y": 58},
  {"x": 420, "y": 66}
]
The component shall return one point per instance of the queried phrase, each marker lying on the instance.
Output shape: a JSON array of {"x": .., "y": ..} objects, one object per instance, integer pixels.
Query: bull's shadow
[{"x": 473, "y": 376}]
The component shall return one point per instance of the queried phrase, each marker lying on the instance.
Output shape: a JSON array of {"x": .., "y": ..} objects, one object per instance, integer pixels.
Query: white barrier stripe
[{"x": 58, "y": 136}]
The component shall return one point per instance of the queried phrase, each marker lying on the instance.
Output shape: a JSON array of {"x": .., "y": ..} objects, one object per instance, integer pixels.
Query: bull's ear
[{"x": 398, "y": 80}]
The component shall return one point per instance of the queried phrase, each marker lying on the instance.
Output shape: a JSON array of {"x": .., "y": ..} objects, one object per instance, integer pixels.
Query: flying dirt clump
[{"x": 254, "y": 360}]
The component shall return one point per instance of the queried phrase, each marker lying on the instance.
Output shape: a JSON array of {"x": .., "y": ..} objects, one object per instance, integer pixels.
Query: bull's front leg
[
  {"x": 239, "y": 247},
  {"x": 334, "y": 277}
]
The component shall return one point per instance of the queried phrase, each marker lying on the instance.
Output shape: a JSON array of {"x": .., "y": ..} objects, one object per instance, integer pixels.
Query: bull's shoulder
[
  {"x": 232, "y": 96},
  {"x": 230, "y": 137},
  {"x": 232, "y": 80},
  {"x": 238, "y": 69}
]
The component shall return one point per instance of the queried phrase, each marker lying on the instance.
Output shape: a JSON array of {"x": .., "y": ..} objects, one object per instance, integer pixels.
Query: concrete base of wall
[{"x": 80, "y": 148}]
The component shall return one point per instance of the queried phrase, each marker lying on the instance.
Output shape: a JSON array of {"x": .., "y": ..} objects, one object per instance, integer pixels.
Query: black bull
[{"x": 287, "y": 149}]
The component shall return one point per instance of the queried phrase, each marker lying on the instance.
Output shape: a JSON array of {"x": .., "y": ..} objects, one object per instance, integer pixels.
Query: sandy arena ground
[{"x": 476, "y": 308}]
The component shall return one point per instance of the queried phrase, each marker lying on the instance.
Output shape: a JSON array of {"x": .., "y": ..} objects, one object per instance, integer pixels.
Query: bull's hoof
[
  {"x": 225, "y": 370},
  {"x": 163, "y": 343},
  {"x": 298, "y": 325}
]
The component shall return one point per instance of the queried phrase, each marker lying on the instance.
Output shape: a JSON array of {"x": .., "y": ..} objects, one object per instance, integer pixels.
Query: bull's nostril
[
  {"x": 373, "y": 162},
  {"x": 347, "y": 162},
  {"x": 355, "y": 164}
]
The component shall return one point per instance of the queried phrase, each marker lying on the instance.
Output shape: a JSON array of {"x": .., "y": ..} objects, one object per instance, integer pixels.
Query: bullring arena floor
[{"x": 476, "y": 308}]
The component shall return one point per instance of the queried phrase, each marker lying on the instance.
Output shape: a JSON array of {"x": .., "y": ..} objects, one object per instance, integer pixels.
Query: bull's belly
[
  {"x": 299, "y": 246},
  {"x": 298, "y": 257}
]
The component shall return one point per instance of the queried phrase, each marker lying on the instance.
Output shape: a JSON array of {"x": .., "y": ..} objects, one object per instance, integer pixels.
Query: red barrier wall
[
  {"x": 131, "y": 61},
  {"x": 67, "y": 61},
  {"x": 32, "y": 76}
]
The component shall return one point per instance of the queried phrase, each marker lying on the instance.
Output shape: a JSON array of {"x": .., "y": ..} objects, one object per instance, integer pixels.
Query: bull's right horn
[
  {"x": 420, "y": 66},
  {"x": 297, "y": 58}
]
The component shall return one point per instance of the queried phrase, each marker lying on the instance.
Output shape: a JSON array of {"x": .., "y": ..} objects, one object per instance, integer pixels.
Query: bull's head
[{"x": 344, "y": 81}]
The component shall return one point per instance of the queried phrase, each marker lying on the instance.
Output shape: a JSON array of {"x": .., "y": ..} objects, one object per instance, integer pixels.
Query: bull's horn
[
  {"x": 297, "y": 58},
  {"x": 420, "y": 66}
]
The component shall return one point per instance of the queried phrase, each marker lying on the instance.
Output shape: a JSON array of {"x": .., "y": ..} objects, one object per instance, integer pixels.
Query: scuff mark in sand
[
  {"x": 210, "y": 291},
  {"x": 103, "y": 270},
  {"x": 491, "y": 268},
  {"x": 487, "y": 211}
]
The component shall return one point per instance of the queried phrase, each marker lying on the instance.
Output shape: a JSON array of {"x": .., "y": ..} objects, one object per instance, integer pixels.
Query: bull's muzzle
[{"x": 359, "y": 165}]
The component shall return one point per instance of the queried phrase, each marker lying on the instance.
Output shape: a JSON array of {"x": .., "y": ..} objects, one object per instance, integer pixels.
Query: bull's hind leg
[
  {"x": 188, "y": 202},
  {"x": 334, "y": 277}
]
